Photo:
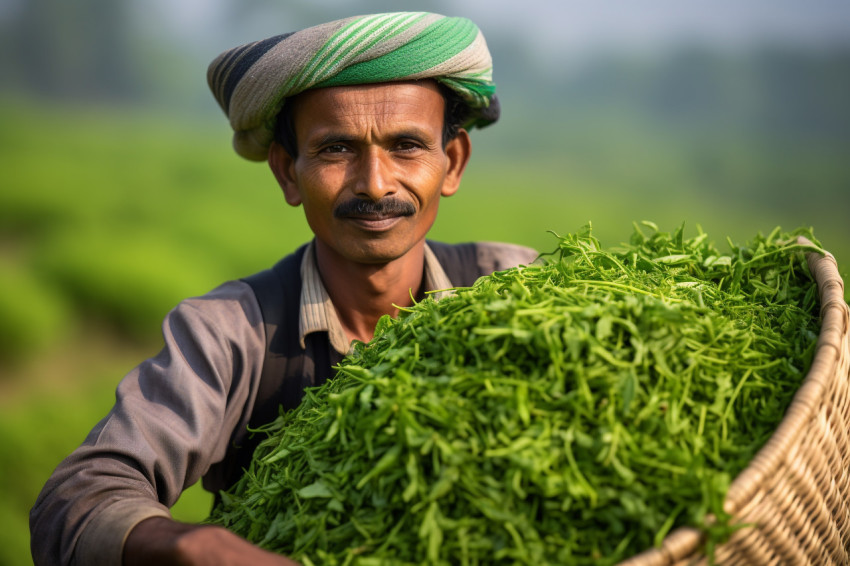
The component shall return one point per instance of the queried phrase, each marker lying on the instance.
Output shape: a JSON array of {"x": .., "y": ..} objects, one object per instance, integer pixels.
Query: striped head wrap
[{"x": 252, "y": 81}]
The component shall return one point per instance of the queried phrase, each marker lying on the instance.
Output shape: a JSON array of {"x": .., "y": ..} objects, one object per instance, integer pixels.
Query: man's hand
[{"x": 166, "y": 542}]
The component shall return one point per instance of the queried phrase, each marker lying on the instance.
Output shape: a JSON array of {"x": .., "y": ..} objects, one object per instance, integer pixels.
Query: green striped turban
[{"x": 250, "y": 82}]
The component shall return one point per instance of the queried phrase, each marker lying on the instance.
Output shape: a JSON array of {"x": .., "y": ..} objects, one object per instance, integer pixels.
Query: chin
[
  {"x": 376, "y": 255},
  {"x": 377, "y": 251}
]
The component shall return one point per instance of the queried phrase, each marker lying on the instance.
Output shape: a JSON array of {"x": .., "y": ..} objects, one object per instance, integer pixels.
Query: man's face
[{"x": 371, "y": 167}]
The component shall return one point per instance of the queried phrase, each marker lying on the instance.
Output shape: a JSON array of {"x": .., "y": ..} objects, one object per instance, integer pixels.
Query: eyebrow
[
  {"x": 342, "y": 137},
  {"x": 331, "y": 138}
]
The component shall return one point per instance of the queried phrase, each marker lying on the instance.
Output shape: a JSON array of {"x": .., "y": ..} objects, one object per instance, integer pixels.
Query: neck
[{"x": 363, "y": 293}]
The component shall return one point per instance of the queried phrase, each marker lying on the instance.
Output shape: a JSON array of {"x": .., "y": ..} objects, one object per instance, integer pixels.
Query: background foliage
[{"x": 120, "y": 194}]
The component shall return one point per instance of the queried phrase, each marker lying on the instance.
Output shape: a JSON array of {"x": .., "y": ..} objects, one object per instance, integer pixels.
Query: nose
[{"x": 374, "y": 175}]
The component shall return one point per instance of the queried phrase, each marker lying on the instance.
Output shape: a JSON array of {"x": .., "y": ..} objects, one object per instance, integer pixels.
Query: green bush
[
  {"x": 131, "y": 279},
  {"x": 32, "y": 314}
]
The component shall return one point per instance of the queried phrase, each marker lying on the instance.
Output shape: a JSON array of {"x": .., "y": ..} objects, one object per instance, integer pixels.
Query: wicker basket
[{"x": 796, "y": 491}]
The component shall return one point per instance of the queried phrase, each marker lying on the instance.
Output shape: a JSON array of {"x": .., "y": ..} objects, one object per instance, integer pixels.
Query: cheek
[
  {"x": 431, "y": 212},
  {"x": 426, "y": 181},
  {"x": 317, "y": 188},
  {"x": 317, "y": 209}
]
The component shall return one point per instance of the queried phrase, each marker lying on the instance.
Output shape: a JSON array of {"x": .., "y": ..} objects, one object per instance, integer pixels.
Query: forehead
[{"x": 365, "y": 105}]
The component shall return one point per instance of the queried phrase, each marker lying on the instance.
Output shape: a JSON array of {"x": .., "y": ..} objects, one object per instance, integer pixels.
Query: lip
[{"x": 374, "y": 223}]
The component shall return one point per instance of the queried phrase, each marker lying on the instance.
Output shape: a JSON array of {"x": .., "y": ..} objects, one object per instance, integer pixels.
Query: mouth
[
  {"x": 374, "y": 222},
  {"x": 374, "y": 216}
]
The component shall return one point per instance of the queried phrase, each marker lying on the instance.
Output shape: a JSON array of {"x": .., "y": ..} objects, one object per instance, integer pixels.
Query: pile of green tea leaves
[{"x": 572, "y": 412}]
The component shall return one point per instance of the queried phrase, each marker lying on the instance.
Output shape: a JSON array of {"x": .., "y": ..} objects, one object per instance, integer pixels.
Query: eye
[
  {"x": 334, "y": 148},
  {"x": 408, "y": 145}
]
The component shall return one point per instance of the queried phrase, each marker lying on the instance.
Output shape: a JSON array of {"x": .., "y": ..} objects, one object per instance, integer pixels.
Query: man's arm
[
  {"x": 173, "y": 417},
  {"x": 165, "y": 542}
]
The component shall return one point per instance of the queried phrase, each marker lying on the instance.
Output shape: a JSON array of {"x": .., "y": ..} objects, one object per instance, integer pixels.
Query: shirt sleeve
[
  {"x": 495, "y": 256},
  {"x": 173, "y": 417}
]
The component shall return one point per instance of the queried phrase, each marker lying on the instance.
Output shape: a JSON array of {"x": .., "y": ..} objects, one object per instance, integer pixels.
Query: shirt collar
[{"x": 317, "y": 312}]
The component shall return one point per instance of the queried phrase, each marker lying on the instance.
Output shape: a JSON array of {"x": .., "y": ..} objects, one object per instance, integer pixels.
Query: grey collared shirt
[
  {"x": 317, "y": 312},
  {"x": 175, "y": 413}
]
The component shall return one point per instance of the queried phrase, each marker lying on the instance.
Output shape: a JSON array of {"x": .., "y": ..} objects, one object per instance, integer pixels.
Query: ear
[
  {"x": 458, "y": 150},
  {"x": 283, "y": 167}
]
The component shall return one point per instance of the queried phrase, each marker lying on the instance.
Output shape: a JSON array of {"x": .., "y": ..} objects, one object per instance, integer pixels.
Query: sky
[
  {"x": 548, "y": 34},
  {"x": 567, "y": 26},
  {"x": 576, "y": 23}
]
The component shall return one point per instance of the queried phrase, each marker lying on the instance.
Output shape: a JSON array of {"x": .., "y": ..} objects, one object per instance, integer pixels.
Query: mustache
[{"x": 358, "y": 207}]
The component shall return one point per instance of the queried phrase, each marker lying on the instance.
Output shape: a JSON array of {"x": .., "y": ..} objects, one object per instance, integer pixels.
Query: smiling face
[{"x": 371, "y": 167}]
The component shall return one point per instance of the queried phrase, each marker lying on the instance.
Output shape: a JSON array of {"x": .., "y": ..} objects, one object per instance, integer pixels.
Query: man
[{"x": 363, "y": 123}]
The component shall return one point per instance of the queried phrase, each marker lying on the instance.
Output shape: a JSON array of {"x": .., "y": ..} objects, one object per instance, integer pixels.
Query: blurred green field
[{"x": 108, "y": 218}]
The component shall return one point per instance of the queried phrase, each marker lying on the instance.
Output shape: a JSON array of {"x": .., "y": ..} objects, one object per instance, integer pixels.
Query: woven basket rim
[{"x": 685, "y": 542}]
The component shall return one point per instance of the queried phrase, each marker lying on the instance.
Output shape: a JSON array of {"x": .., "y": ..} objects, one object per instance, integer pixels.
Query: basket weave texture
[{"x": 795, "y": 493}]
